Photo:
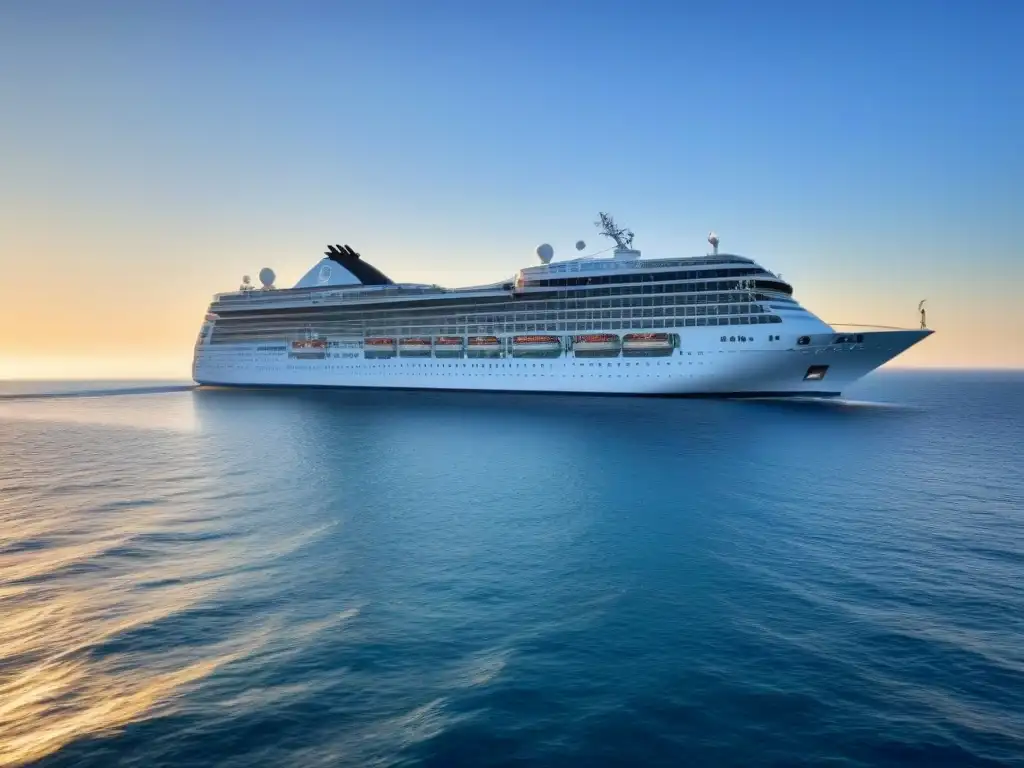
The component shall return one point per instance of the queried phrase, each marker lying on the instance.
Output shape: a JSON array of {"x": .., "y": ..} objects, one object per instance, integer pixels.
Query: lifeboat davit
[{"x": 596, "y": 345}]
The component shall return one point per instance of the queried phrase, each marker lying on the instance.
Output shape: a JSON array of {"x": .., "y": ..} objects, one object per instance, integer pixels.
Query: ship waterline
[{"x": 718, "y": 324}]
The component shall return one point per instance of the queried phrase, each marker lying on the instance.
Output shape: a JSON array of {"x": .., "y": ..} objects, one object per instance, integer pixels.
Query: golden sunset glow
[
  {"x": 131, "y": 193},
  {"x": 119, "y": 313}
]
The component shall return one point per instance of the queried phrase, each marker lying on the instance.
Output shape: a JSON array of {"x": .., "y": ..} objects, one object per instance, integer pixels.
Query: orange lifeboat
[
  {"x": 308, "y": 349},
  {"x": 379, "y": 346},
  {"x": 304, "y": 344},
  {"x": 448, "y": 346},
  {"x": 536, "y": 345},
  {"x": 483, "y": 346},
  {"x": 414, "y": 346},
  {"x": 647, "y": 344},
  {"x": 596, "y": 345}
]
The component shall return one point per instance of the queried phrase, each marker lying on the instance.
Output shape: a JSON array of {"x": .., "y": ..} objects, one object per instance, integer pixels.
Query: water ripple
[{"x": 197, "y": 578}]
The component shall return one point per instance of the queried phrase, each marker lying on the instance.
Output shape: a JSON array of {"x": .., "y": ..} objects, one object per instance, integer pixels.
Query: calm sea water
[{"x": 240, "y": 578}]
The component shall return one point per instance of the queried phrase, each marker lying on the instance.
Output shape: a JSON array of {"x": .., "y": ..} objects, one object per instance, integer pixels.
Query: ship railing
[
  {"x": 873, "y": 326},
  {"x": 587, "y": 265},
  {"x": 320, "y": 295}
]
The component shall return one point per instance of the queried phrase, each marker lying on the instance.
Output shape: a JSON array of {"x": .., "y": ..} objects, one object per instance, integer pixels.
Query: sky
[{"x": 152, "y": 153}]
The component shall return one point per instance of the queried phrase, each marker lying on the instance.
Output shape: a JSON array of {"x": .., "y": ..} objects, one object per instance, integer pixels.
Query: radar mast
[{"x": 623, "y": 237}]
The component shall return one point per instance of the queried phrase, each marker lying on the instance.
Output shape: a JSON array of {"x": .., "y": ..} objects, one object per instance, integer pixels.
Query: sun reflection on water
[
  {"x": 88, "y": 573},
  {"x": 73, "y": 620},
  {"x": 64, "y": 613}
]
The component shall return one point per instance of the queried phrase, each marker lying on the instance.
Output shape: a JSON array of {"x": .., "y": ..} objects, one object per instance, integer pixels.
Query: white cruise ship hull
[{"x": 703, "y": 366}]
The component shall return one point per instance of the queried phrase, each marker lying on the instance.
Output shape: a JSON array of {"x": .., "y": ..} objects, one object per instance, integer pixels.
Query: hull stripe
[{"x": 694, "y": 395}]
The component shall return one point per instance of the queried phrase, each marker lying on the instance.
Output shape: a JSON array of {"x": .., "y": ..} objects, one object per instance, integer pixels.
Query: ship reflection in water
[{"x": 231, "y": 577}]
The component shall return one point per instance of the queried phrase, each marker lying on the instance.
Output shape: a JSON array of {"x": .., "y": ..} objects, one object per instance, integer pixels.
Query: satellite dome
[
  {"x": 545, "y": 253},
  {"x": 580, "y": 245},
  {"x": 267, "y": 277},
  {"x": 713, "y": 239}
]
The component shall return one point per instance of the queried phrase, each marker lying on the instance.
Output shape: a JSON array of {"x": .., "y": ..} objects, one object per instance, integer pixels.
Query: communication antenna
[
  {"x": 713, "y": 239},
  {"x": 545, "y": 253},
  {"x": 623, "y": 237},
  {"x": 580, "y": 245},
  {"x": 246, "y": 283},
  {"x": 920, "y": 308}
]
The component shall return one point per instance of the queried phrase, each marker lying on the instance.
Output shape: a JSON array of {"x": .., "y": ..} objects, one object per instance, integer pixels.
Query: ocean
[{"x": 315, "y": 578}]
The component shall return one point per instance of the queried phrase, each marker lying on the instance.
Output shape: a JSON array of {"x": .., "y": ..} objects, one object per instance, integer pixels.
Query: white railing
[{"x": 872, "y": 325}]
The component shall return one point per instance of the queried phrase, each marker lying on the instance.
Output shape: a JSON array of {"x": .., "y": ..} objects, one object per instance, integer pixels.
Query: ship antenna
[
  {"x": 920, "y": 308},
  {"x": 623, "y": 237}
]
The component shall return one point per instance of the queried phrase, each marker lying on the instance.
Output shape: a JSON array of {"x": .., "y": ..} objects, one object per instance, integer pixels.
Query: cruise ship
[{"x": 608, "y": 323}]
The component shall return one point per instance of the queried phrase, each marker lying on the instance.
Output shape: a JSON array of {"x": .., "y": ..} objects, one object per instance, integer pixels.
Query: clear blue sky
[{"x": 870, "y": 151}]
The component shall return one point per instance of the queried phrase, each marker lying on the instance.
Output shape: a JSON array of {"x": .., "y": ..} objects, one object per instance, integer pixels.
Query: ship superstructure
[{"x": 718, "y": 324}]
